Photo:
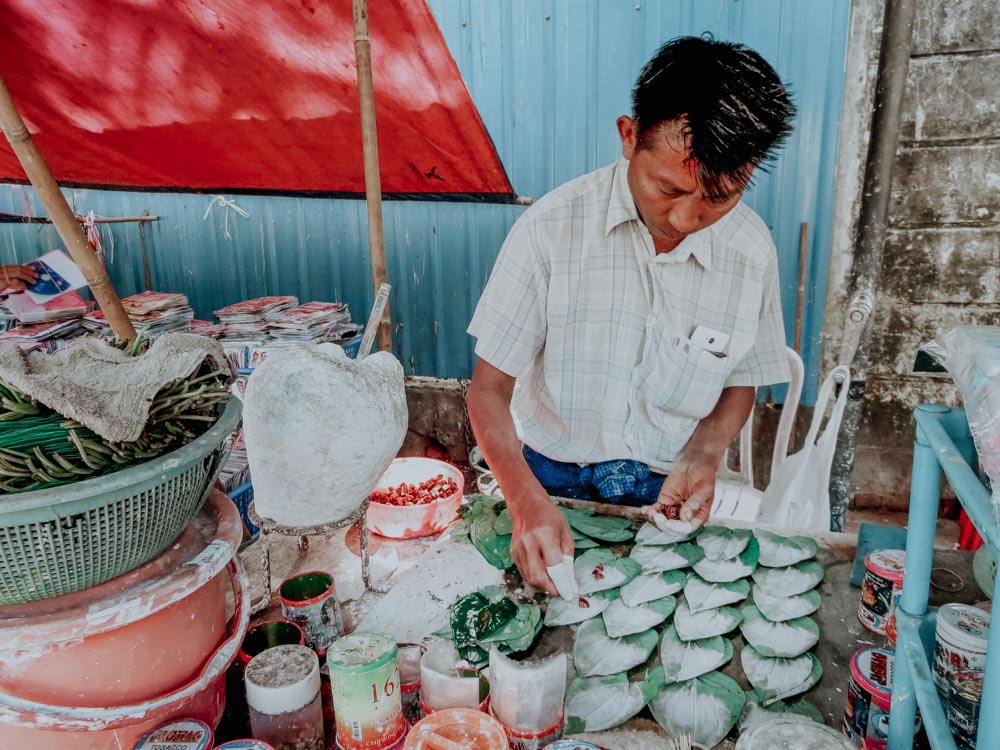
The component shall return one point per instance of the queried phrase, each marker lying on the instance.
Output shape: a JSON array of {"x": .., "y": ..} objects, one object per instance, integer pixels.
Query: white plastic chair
[{"x": 736, "y": 498}]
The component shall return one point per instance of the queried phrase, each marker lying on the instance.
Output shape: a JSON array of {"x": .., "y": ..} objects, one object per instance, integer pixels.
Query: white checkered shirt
[{"x": 594, "y": 324}]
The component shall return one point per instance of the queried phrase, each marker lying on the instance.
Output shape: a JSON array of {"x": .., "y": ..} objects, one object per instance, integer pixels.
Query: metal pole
[
  {"x": 894, "y": 58},
  {"x": 62, "y": 215},
  {"x": 373, "y": 180}
]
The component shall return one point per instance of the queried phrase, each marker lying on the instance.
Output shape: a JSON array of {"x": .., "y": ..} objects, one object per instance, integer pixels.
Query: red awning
[{"x": 241, "y": 96}]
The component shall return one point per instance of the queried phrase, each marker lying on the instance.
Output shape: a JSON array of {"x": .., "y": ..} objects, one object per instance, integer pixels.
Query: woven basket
[{"x": 68, "y": 538}]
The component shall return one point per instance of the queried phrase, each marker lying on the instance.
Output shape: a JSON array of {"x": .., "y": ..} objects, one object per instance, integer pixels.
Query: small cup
[
  {"x": 310, "y": 601},
  {"x": 268, "y": 635}
]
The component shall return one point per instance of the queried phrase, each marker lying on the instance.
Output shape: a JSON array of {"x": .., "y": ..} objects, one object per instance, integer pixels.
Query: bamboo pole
[
  {"x": 373, "y": 180},
  {"x": 801, "y": 298},
  {"x": 62, "y": 216}
]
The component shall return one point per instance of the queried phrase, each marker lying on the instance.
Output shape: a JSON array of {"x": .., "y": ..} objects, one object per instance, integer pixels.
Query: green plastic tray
[{"x": 69, "y": 538}]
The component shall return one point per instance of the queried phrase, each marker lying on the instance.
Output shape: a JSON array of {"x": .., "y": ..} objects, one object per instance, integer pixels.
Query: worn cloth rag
[{"x": 103, "y": 388}]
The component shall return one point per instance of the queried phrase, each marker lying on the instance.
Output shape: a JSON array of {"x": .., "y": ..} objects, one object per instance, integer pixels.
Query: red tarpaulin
[{"x": 241, "y": 96}]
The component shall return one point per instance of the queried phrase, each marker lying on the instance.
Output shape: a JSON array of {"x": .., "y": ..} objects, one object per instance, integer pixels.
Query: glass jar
[{"x": 283, "y": 694}]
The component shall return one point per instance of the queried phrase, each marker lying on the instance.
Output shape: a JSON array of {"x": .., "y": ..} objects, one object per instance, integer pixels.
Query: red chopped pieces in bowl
[{"x": 437, "y": 488}]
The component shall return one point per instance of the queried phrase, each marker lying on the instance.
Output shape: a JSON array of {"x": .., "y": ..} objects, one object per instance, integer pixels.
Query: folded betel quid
[
  {"x": 786, "y": 639},
  {"x": 777, "y": 551},
  {"x": 595, "y": 653},
  {"x": 705, "y": 624},
  {"x": 733, "y": 569},
  {"x": 563, "y": 612},
  {"x": 791, "y": 580},
  {"x": 601, "y": 569},
  {"x": 650, "y": 586},
  {"x": 779, "y": 608},
  {"x": 701, "y": 594},
  {"x": 777, "y": 678},
  {"x": 662, "y": 559},
  {"x": 705, "y": 708},
  {"x": 722, "y": 543},
  {"x": 594, "y": 704},
  {"x": 685, "y": 660},
  {"x": 621, "y": 620}
]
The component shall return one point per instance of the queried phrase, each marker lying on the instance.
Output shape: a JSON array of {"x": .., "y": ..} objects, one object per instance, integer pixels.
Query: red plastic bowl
[{"x": 415, "y": 521}]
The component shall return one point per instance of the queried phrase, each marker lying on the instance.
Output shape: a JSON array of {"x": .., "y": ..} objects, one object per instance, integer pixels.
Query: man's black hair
[{"x": 733, "y": 109}]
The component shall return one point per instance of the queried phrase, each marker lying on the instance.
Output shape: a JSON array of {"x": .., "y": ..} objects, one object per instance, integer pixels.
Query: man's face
[{"x": 665, "y": 188}]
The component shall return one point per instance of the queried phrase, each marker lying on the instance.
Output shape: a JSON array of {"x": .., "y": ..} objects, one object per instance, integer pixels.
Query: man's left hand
[{"x": 688, "y": 491}]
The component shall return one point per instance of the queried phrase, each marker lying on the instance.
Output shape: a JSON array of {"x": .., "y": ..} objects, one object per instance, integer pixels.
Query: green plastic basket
[{"x": 68, "y": 538}]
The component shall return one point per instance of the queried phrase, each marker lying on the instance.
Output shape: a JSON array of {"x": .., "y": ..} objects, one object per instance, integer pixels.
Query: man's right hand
[{"x": 541, "y": 539}]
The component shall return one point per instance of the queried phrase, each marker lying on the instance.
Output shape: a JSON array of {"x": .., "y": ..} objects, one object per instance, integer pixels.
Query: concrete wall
[{"x": 941, "y": 263}]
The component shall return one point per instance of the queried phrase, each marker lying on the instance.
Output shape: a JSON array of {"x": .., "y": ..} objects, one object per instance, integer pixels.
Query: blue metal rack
[{"x": 943, "y": 443}]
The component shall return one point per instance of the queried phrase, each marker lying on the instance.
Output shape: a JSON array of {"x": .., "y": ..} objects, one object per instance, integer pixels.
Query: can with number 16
[{"x": 367, "y": 698}]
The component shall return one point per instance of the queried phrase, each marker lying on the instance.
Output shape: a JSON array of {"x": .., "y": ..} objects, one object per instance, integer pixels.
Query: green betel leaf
[
  {"x": 782, "y": 608},
  {"x": 777, "y": 678},
  {"x": 685, "y": 660},
  {"x": 562, "y": 612},
  {"x": 494, "y": 548},
  {"x": 600, "y": 569},
  {"x": 652, "y": 536},
  {"x": 701, "y": 595},
  {"x": 662, "y": 559},
  {"x": 594, "y": 704},
  {"x": 722, "y": 543},
  {"x": 705, "y": 708},
  {"x": 605, "y": 528},
  {"x": 596, "y": 653},
  {"x": 582, "y": 541},
  {"x": 784, "y": 639},
  {"x": 692, "y": 626},
  {"x": 650, "y": 586},
  {"x": 789, "y": 581},
  {"x": 778, "y": 551},
  {"x": 727, "y": 571},
  {"x": 504, "y": 525},
  {"x": 621, "y": 620}
]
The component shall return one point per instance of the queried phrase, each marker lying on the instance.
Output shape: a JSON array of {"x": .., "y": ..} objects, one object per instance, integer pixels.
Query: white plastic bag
[{"x": 798, "y": 496}]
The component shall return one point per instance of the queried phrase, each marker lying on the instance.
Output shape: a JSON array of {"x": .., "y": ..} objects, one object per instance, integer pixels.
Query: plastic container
[
  {"x": 520, "y": 740},
  {"x": 787, "y": 732},
  {"x": 880, "y": 589},
  {"x": 268, "y": 635},
  {"x": 134, "y": 638},
  {"x": 960, "y": 643},
  {"x": 244, "y": 745},
  {"x": 310, "y": 601},
  {"x": 408, "y": 658},
  {"x": 464, "y": 727},
  {"x": 965, "y": 693},
  {"x": 186, "y": 734},
  {"x": 283, "y": 696},
  {"x": 415, "y": 521},
  {"x": 107, "y": 526},
  {"x": 364, "y": 676},
  {"x": 32, "y": 724},
  {"x": 242, "y": 496}
]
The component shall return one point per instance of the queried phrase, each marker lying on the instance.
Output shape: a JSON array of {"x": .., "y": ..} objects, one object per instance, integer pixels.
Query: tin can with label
[
  {"x": 310, "y": 601},
  {"x": 367, "y": 699},
  {"x": 960, "y": 645},
  {"x": 869, "y": 695},
  {"x": 245, "y": 745},
  {"x": 572, "y": 745},
  {"x": 880, "y": 588},
  {"x": 186, "y": 734},
  {"x": 965, "y": 692}
]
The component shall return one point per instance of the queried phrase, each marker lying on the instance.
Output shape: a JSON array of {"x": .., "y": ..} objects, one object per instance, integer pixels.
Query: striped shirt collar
[{"x": 621, "y": 208}]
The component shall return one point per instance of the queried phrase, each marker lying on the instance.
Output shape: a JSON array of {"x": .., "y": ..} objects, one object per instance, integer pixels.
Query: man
[{"x": 633, "y": 311}]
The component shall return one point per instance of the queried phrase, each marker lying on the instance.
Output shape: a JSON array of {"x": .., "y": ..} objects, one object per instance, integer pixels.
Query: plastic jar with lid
[{"x": 283, "y": 694}]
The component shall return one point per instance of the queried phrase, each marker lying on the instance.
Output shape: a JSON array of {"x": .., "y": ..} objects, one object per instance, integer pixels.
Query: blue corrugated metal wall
[{"x": 549, "y": 78}]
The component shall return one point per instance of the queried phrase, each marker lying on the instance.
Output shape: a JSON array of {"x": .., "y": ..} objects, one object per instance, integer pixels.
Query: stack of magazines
[
  {"x": 64, "y": 307},
  {"x": 248, "y": 320},
  {"x": 47, "y": 337},
  {"x": 152, "y": 313},
  {"x": 313, "y": 321}
]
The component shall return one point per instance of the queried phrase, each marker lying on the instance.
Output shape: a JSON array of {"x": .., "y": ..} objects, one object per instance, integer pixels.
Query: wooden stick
[
  {"x": 62, "y": 216},
  {"x": 373, "y": 180},
  {"x": 15, "y": 219},
  {"x": 800, "y": 301}
]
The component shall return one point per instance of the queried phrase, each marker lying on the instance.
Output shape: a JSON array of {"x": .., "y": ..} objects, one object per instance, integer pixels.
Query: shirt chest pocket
[{"x": 685, "y": 383}]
